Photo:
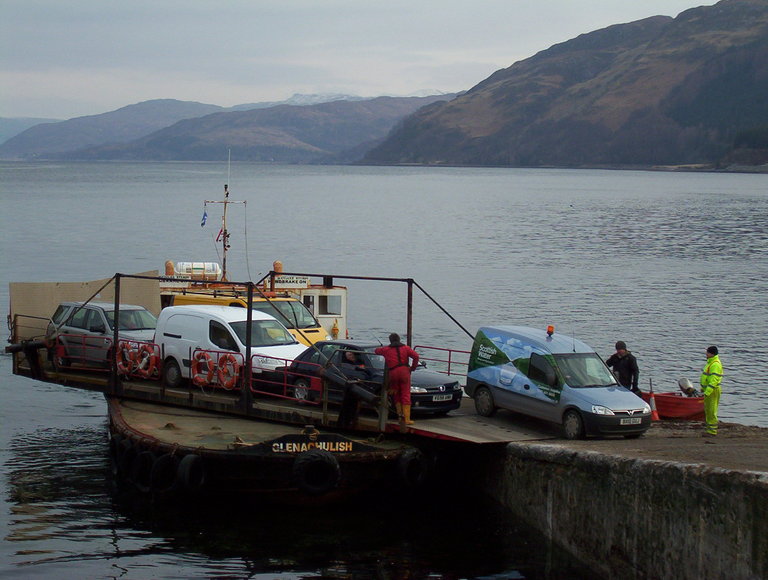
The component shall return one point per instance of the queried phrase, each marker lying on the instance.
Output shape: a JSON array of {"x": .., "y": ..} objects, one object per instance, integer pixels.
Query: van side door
[{"x": 542, "y": 387}]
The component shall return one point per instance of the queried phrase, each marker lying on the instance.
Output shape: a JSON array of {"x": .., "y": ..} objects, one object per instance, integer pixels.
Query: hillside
[
  {"x": 328, "y": 132},
  {"x": 655, "y": 91},
  {"x": 125, "y": 124},
  {"x": 12, "y": 126}
]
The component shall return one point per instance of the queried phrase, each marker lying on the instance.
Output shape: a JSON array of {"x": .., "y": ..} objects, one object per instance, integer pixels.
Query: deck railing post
[
  {"x": 114, "y": 386},
  {"x": 409, "y": 328},
  {"x": 247, "y": 367}
]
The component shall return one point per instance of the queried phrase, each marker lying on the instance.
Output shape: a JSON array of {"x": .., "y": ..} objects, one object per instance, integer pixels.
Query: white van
[
  {"x": 553, "y": 377},
  {"x": 197, "y": 337}
]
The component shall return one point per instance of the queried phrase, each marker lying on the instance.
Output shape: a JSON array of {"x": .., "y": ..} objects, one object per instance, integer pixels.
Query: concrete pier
[{"x": 643, "y": 517}]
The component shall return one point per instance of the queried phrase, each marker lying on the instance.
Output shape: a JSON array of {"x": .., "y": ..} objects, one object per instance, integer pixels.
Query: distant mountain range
[
  {"x": 321, "y": 129},
  {"x": 659, "y": 91},
  {"x": 686, "y": 91}
]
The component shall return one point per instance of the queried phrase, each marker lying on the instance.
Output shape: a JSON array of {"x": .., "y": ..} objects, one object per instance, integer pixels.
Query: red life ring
[
  {"x": 227, "y": 370},
  {"x": 199, "y": 360},
  {"x": 146, "y": 361},
  {"x": 126, "y": 358}
]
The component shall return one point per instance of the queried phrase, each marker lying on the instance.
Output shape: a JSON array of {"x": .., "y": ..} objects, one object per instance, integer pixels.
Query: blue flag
[{"x": 205, "y": 217}]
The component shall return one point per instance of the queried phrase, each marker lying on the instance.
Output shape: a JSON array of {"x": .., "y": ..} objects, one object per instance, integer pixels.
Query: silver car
[{"x": 84, "y": 331}]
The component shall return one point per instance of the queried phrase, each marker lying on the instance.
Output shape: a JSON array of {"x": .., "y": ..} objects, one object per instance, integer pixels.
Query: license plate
[
  {"x": 442, "y": 397},
  {"x": 630, "y": 421}
]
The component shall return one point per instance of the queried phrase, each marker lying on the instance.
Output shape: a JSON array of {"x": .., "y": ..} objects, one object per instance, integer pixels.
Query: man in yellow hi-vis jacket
[{"x": 711, "y": 377}]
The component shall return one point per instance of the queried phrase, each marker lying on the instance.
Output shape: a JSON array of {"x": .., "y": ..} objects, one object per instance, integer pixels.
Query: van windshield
[
  {"x": 290, "y": 313},
  {"x": 263, "y": 333},
  {"x": 584, "y": 369}
]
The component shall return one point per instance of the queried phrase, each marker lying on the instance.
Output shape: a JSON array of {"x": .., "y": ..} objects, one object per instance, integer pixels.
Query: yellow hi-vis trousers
[{"x": 711, "y": 403}]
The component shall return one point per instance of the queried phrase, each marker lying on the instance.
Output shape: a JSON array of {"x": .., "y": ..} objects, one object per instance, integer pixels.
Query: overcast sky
[{"x": 63, "y": 59}]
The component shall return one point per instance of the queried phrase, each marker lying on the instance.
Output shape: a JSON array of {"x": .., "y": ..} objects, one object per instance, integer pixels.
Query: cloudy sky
[{"x": 66, "y": 59}]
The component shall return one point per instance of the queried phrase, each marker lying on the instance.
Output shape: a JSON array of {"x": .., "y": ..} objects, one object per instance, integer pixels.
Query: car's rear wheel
[
  {"x": 172, "y": 374},
  {"x": 484, "y": 404},
  {"x": 301, "y": 390},
  {"x": 573, "y": 425}
]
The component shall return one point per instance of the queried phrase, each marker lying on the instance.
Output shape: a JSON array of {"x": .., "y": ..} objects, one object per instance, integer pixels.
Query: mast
[{"x": 223, "y": 236}]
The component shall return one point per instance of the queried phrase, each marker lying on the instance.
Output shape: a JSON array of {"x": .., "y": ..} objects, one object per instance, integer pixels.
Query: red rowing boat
[{"x": 677, "y": 406}]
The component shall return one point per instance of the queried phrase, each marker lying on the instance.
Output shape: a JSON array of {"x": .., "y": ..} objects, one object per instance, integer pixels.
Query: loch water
[{"x": 668, "y": 262}]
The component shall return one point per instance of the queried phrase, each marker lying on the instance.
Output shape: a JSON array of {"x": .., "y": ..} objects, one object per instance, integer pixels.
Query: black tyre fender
[
  {"x": 316, "y": 471},
  {"x": 164, "y": 475},
  {"x": 141, "y": 468},
  {"x": 114, "y": 451},
  {"x": 191, "y": 474},
  {"x": 413, "y": 468},
  {"x": 126, "y": 452}
]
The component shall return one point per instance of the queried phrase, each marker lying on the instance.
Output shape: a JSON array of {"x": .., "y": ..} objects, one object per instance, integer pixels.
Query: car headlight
[
  {"x": 646, "y": 409},
  {"x": 600, "y": 410},
  {"x": 415, "y": 389}
]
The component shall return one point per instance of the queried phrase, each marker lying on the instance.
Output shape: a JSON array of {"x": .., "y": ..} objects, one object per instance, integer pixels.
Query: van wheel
[
  {"x": 573, "y": 425},
  {"x": 301, "y": 390},
  {"x": 484, "y": 404},
  {"x": 172, "y": 374}
]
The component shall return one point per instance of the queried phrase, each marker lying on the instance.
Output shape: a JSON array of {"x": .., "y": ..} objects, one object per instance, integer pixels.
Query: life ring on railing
[
  {"x": 199, "y": 360},
  {"x": 146, "y": 361},
  {"x": 126, "y": 358},
  {"x": 316, "y": 471},
  {"x": 227, "y": 370}
]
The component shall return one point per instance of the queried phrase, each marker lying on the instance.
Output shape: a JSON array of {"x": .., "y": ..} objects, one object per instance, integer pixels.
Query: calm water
[{"x": 670, "y": 263}]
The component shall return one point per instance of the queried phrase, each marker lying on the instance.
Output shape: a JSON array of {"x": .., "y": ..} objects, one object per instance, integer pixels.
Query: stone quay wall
[{"x": 638, "y": 518}]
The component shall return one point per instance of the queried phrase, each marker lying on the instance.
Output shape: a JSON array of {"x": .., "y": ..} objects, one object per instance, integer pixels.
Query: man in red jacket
[{"x": 396, "y": 357}]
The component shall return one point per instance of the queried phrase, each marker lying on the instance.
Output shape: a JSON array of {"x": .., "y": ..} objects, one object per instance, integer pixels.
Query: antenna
[{"x": 223, "y": 236}]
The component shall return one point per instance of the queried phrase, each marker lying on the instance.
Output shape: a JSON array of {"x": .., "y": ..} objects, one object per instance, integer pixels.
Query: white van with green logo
[{"x": 552, "y": 377}]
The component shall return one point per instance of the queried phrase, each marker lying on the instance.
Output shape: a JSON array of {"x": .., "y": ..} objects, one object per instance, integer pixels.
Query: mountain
[
  {"x": 300, "y": 99},
  {"x": 325, "y": 132},
  {"x": 125, "y": 124},
  {"x": 12, "y": 126},
  {"x": 657, "y": 91}
]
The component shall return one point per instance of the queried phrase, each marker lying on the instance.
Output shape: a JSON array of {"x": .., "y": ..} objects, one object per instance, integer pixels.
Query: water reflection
[{"x": 69, "y": 516}]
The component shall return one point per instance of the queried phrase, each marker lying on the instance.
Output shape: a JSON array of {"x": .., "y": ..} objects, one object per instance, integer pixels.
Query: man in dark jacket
[{"x": 624, "y": 365}]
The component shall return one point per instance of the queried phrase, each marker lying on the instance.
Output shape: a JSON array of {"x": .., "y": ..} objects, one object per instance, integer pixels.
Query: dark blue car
[{"x": 345, "y": 362}]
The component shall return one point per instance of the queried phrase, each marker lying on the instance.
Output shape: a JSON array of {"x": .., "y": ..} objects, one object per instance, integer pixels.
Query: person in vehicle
[
  {"x": 624, "y": 366},
  {"x": 396, "y": 357}
]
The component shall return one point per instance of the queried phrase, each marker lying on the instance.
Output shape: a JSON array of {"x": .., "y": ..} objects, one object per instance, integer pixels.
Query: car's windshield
[
  {"x": 132, "y": 320},
  {"x": 290, "y": 313},
  {"x": 374, "y": 360},
  {"x": 584, "y": 370},
  {"x": 263, "y": 333}
]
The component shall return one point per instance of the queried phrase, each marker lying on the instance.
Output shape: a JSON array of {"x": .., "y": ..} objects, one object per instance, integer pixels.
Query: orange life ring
[
  {"x": 202, "y": 377},
  {"x": 126, "y": 358},
  {"x": 146, "y": 361},
  {"x": 227, "y": 370}
]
